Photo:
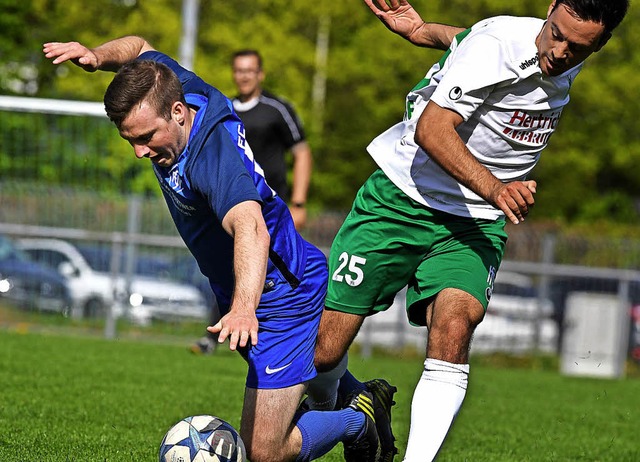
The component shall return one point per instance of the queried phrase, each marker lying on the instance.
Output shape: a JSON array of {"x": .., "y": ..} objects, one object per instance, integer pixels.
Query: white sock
[
  {"x": 322, "y": 392},
  {"x": 436, "y": 402}
]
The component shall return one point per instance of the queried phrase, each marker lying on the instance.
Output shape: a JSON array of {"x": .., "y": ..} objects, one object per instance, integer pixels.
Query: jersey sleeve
[
  {"x": 218, "y": 172},
  {"x": 477, "y": 65},
  {"x": 289, "y": 126}
]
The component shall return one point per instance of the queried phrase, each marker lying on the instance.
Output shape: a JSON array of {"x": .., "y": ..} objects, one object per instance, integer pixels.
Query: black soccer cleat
[
  {"x": 367, "y": 447},
  {"x": 383, "y": 393}
]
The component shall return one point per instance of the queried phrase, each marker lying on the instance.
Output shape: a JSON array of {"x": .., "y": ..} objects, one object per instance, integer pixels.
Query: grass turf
[{"x": 83, "y": 398}]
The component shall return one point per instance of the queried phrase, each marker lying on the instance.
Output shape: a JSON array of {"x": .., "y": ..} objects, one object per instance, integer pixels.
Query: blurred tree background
[{"x": 588, "y": 173}]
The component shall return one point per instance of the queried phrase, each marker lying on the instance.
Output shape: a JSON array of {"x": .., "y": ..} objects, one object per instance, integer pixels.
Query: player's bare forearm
[
  {"x": 302, "y": 167},
  {"x": 436, "y": 134},
  {"x": 113, "y": 54},
  {"x": 434, "y": 35},
  {"x": 244, "y": 222},
  {"x": 400, "y": 17},
  {"x": 109, "y": 56}
]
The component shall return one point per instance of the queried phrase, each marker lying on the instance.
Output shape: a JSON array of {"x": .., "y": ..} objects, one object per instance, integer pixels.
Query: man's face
[
  {"x": 247, "y": 76},
  {"x": 565, "y": 40},
  {"x": 160, "y": 140}
]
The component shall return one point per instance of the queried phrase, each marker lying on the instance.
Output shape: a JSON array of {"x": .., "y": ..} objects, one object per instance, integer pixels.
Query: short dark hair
[
  {"x": 609, "y": 13},
  {"x": 142, "y": 80},
  {"x": 247, "y": 52}
]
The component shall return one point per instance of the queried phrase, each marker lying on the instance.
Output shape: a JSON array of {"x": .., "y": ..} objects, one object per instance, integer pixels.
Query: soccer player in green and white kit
[{"x": 433, "y": 215}]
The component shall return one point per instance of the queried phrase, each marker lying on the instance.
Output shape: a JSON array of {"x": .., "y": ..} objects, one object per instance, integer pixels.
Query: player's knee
[
  {"x": 327, "y": 356},
  {"x": 330, "y": 349},
  {"x": 269, "y": 444},
  {"x": 265, "y": 452},
  {"x": 450, "y": 341},
  {"x": 335, "y": 334},
  {"x": 456, "y": 314},
  {"x": 254, "y": 454}
]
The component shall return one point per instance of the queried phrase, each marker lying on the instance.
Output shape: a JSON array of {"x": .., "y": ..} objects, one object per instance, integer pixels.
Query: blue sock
[
  {"x": 322, "y": 430},
  {"x": 349, "y": 384}
]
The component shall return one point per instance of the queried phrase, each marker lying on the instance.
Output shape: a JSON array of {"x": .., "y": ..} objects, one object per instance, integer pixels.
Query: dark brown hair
[
  {"x": 142, "y": 80},
  {"x": 609, "y": 13}
]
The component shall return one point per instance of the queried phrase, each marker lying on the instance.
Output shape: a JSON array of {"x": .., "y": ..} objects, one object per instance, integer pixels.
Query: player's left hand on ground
[
  {"x": 515, "y": 199},
  {"x": 75, "y": 52},
  {"x": 238, "y": 327}
]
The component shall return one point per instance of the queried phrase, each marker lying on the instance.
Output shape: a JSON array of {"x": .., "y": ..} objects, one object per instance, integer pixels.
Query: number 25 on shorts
[{"x": 349, "y": 269}]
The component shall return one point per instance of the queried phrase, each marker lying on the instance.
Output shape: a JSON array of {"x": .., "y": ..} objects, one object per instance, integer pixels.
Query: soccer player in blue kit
[{"x": 269, "y": 282}]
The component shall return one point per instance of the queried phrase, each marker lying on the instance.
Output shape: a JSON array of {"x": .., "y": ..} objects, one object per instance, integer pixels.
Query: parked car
[
  {"x": 93, "y": 288},
  {"x": 516, "y": 318},
  {"x": 185, "y": 269},
  {"x": 27, "y": 284}
]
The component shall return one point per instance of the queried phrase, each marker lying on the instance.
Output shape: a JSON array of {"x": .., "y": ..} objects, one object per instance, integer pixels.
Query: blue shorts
[{"x": 288, "y": 327}]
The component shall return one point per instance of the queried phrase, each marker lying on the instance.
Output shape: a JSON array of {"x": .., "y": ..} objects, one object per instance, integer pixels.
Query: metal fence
[
  {"x": 540, "y": 290},
  {"x": 533, "y": 309}
]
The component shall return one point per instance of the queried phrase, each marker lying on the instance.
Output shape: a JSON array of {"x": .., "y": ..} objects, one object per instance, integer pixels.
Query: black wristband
[{"x": 298, "y": 205}]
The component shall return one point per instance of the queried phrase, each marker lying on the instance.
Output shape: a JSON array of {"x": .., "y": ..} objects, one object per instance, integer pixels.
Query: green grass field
[{"x": 84, "y": 398}]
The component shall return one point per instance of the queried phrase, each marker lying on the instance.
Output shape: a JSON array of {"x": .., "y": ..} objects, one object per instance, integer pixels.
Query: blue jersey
[{"x": 215, "y": 172}]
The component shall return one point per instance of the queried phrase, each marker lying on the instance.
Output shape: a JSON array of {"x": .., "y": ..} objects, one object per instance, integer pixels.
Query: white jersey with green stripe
[{"x": 491, "y": 77}]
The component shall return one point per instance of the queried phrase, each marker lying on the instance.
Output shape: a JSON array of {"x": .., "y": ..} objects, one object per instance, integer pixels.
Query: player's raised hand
[
  {"x": 397, "y": 15},
  {"x": 515, "y": 199},
  {"x": 75, "y": 52},
  {"x": 238, "y": 327}
]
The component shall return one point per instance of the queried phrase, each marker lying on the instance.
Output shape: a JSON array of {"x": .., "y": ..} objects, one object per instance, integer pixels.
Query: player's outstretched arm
[
  {"x": 244, "y": 222},
  {"x": 109, "y": 56},
  {"x": 401, "y": 18}
]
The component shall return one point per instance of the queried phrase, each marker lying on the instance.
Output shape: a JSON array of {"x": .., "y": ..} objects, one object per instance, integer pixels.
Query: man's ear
[{"x": 178, "y": 112}]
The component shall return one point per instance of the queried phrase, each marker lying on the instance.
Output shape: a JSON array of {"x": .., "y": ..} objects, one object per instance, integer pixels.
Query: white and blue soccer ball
[{"x": 202, "y": 438}]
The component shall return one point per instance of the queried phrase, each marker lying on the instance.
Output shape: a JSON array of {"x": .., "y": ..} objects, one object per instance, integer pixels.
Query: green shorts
[{"x": 389, "y": 241}]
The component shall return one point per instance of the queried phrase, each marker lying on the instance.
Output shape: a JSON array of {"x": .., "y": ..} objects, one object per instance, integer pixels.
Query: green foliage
[
  {"x": 588, "y": 171},
  {"x": 56, "y": 150}
]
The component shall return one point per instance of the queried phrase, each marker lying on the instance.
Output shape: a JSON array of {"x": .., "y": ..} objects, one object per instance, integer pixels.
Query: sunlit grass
[{"x": 85, "y": 398}]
